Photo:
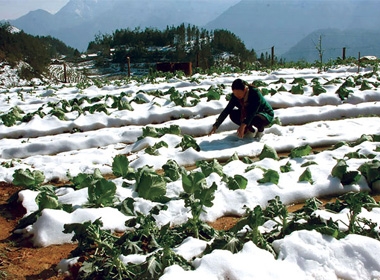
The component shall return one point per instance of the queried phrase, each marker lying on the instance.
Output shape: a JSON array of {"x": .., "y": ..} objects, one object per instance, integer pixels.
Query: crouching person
[{"x": 248, "y": 109}]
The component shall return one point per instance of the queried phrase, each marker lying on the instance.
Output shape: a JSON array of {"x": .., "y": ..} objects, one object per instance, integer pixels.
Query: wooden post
[
  {"x": 272, "y": 56},
  {"x": 64, "y": 73},
  {"x": 129, "y": 66},
  {"x": 359, "y": 62},
  {"x": 344, "y": 53}
]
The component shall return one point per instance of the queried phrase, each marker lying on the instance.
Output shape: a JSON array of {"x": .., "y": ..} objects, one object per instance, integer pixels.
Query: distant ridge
[
  {"x": 40, "y": 18},
  {"x": 288, "y": 25},
  {"x": 262, "y": 24},
  {"x": 79, "y": 21},
  {"x": 365, "y": 42}
]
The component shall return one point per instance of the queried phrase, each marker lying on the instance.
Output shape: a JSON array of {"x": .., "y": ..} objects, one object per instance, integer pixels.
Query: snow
[
  {"x": 54, "y": 147},
  {"x": 213, "y": 266}
]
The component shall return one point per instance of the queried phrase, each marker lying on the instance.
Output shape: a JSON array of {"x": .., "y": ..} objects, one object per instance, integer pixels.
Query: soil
[{"x": 20, "y": 260}]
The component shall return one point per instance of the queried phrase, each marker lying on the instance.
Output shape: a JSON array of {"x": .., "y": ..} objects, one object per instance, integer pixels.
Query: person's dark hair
[{"x": 238, "y": 84}]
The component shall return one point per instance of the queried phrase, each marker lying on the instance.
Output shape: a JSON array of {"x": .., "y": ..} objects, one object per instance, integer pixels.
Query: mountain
[
  {"x": 332, "y": 42},
  {"x": 40, "y": 19},
  {"x": 262, "y": 24},
  {"x": 288, "y": 25},
  {"x": 79, "y": 21}
]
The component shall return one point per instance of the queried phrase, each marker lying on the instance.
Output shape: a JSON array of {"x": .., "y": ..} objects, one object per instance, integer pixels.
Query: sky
[
  {"x": 13, "y": 9},
  {"x": 306, "y": 119}
]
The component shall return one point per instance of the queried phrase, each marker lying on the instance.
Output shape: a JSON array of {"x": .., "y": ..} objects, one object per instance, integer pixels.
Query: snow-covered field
[{"x": 88, "y": 140}]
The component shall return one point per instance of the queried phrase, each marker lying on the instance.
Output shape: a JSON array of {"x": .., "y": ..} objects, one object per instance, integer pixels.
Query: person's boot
[
  {"x": 250, "y": 131},
  {"x": 259, "y": 134}
]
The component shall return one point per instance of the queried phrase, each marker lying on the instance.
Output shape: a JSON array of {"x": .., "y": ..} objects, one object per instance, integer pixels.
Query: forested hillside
[
  {"x": 204, "y": 49},
  {"x": 176, "y": 44},
  {"x": 36, "y": 51}
]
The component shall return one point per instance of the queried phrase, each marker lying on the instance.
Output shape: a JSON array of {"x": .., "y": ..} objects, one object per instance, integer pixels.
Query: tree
[
  {"x": 320, "y": 52},
  {"x": 187, "y": 44},
  {"x": 35, "y": 50}
]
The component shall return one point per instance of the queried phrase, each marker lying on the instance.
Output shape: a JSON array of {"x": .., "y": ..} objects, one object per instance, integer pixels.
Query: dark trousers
[{"x": 258, "y": 120}]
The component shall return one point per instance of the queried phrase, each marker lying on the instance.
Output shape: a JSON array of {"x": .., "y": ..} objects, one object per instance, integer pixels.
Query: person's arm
[
  {"x": 223, "y": 115},
  {"x": 214, "y": 128},
  {"x": 241, "y": 130}
]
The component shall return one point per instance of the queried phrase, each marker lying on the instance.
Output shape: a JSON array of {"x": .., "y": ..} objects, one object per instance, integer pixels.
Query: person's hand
[
  {"x": 212, "y": 130},
  {"x": 241, "y": 130}
]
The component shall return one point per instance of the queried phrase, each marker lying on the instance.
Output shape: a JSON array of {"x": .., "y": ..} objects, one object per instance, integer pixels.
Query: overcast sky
[{"x": 12, "y": 9}]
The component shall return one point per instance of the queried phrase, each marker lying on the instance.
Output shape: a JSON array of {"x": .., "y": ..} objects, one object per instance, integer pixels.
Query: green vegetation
[
  {"x": 85, "y": 105},
  {"x": 37, "y": 51},
  {"x": 100, "y": 249},
  {"x": 217, "y": 51},
  {"x": 180, "y": 44}
]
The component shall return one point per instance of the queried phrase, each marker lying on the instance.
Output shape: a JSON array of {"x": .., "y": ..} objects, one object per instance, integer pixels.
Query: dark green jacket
[{"x": 255, "y": 103}]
